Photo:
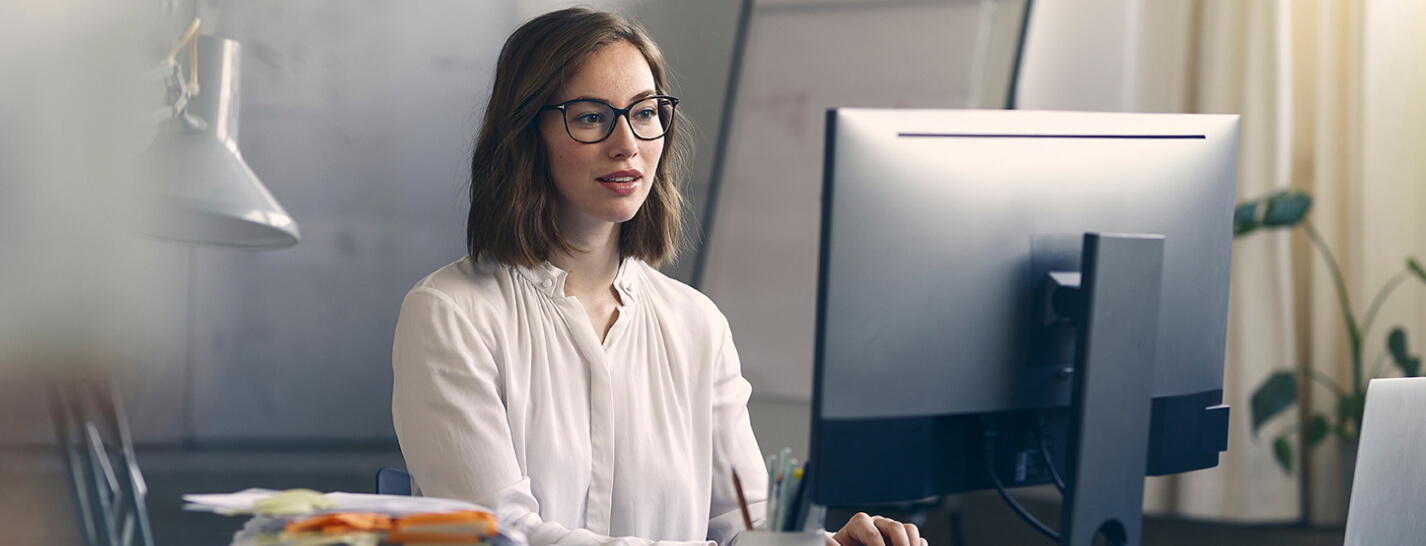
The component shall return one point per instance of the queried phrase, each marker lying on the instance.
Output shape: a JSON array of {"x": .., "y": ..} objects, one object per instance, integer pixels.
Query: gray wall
[{"x": 359, "y": 117}]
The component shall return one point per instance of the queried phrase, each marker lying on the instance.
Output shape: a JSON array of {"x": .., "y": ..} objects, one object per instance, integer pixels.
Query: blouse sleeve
[
  {"x": 734, "y": 446},
  {"x": 449, "y": 415}
]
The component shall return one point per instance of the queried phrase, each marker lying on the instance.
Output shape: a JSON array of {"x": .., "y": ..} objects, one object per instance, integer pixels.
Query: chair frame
[
  {"x": 393, "y": 481},
  {"x": 104, "y": 480}
]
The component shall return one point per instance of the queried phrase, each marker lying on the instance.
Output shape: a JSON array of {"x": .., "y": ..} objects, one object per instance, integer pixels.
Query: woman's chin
[{"x": 621, "y": 216}]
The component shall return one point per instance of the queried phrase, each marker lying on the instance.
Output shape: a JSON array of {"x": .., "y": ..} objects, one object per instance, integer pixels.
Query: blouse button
[{"x": 547, "y": 284}]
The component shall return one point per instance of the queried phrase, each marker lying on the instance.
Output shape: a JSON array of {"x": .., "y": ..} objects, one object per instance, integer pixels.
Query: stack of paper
[
  {"x": 393, "y": 505},
  {"x": 268, "y": 523}
]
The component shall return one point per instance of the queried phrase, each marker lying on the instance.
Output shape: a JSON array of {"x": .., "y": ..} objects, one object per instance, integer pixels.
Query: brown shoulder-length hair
[{"x": 512, "y": 196}]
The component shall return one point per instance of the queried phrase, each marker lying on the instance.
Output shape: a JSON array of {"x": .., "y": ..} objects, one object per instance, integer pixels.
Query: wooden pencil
[{"x": 742, "y": 501}]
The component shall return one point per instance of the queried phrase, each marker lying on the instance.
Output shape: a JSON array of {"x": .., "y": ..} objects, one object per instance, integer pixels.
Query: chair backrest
[
  {"x": 393, "y": 481},
  {"x": 1389, "y": 485}
]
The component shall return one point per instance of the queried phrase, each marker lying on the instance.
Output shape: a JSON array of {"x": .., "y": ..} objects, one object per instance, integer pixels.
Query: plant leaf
[
  {"x": 1411, "y": 265},
  {"x": 1245, "y": 218},
  {"x": 1286, "y": 209},
  {"x": 1317, "y": 430},
  {"x": 1282, "y": 450},
  {"x": 1349, "y": 415},
  {"x": 1274, "y": 395},
  {"x": 1396, "y": 344}
]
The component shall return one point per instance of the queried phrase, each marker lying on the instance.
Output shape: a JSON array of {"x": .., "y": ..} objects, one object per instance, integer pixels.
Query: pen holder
[{"x": 770, "y": 538}]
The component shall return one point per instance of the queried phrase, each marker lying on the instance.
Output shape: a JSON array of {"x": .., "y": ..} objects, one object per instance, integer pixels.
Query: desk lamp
[{"x": 200, "y": 189}]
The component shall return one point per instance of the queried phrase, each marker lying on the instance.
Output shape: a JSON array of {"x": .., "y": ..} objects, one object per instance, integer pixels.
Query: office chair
[
  {"x": 393, "y": 481},
  {"x": 104, "y": 480}
]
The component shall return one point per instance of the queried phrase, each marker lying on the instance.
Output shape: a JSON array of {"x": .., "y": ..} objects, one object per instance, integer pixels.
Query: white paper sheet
[{"x": 394, "y": 505}]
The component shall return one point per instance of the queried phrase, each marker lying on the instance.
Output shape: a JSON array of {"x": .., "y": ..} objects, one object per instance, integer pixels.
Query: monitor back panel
[{"x": 939, "y": 223}]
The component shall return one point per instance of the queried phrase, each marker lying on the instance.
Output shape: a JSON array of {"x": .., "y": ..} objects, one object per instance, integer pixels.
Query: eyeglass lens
[{"x": 592, "y": 121}]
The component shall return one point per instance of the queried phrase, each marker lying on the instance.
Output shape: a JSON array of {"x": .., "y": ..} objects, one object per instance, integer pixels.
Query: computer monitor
[{"x": 937, "y": 336}]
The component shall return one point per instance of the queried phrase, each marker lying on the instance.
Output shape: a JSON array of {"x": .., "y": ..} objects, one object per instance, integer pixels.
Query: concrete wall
[{"x": 359, "y": 117}]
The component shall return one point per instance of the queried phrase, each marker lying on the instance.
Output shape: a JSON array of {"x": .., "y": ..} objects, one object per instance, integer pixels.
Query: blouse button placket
[
  {"x": 599, "y": 500},
  {"x": 601, "y": 444}
]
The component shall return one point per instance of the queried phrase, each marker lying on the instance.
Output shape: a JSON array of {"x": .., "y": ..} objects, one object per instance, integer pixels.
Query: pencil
[
  {"x": 742, "y": 502},
  {"x": 785, "y": 508},
  {"x": 772, "y": 492}
]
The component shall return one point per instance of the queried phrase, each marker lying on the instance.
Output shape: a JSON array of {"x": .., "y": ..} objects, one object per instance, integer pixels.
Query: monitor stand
[{"x": 1108, "y": 441}]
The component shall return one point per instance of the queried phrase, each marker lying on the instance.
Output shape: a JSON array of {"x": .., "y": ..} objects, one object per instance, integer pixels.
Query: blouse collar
[{"x": 550, "y": 279}]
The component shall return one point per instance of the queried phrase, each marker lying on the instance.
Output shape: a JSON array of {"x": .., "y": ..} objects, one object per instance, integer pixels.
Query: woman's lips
[{"x": 623, "y": 185}]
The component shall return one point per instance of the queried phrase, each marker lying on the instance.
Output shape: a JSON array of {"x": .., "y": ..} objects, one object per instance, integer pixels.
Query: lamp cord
[
  {"x": 187, "y": 36},
  {"x": 188, "y": 39}
]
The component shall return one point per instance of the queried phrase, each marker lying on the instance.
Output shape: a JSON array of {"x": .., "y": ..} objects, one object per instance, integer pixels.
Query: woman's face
[{"x": 604, "y": 182}]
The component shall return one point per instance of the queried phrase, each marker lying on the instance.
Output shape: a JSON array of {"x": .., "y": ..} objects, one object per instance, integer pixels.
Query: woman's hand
[{"x": 864, "y": 530}]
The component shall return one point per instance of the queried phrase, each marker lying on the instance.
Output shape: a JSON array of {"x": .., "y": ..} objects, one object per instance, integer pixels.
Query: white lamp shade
[{"x": 201, "y": 190}]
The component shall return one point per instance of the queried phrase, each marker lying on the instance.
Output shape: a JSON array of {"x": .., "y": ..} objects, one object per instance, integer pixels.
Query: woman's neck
[{"x": 593, "y": 263}]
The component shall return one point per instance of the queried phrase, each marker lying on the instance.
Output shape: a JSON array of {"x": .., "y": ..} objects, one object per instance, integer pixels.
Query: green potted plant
[{"x": 1286, "y": 210}]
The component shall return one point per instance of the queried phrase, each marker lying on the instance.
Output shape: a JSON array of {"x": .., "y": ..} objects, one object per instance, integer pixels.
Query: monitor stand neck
[{"x": 1108, "y": 443}]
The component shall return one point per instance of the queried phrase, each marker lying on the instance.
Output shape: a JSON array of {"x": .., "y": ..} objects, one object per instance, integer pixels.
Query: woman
[{"x": 553, "y": 373}]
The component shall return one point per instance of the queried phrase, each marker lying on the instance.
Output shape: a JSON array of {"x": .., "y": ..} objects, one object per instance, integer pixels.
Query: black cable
[
  {"x": 1013, "y": 91},
  {"x": 1005, "y": 495},
  {"x": 1049, "y": 462}
]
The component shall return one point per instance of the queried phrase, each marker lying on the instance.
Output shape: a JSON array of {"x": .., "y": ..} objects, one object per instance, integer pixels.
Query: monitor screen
[{"x": 939, "y": 229}]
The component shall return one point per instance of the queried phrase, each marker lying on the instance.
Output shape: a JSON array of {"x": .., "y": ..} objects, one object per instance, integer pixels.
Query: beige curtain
[{"x": 1333, "y": 99}]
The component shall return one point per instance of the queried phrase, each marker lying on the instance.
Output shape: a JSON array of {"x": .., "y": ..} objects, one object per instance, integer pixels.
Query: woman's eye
[
  {"x": 646, "y": 114},
  {"x": 590, "y": 118}
]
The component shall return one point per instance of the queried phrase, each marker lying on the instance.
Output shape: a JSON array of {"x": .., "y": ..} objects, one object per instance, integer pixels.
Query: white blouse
[{"x": 505, "y": 397}]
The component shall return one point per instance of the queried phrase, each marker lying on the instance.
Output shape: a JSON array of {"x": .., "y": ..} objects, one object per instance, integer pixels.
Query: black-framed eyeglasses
[{"x": 590, "y": 120}]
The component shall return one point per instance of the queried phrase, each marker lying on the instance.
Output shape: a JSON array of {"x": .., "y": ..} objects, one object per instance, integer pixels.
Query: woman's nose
[{"x": 622, "y": 142}]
